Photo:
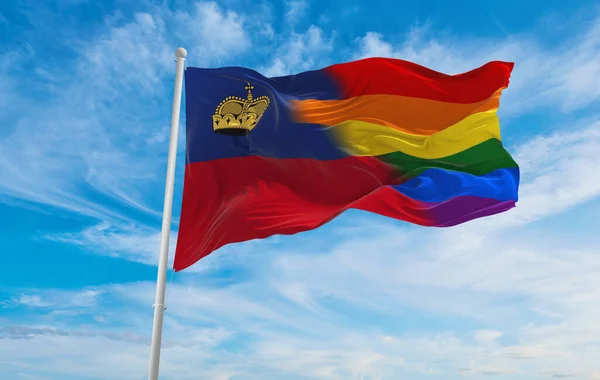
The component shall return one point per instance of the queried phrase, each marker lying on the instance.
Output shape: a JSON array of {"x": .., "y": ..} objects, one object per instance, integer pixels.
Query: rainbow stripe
[{"x": 381, "y": 135}]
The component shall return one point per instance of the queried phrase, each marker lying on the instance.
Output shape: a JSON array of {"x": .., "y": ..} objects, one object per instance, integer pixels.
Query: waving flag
[{"x": 283, "y": 155}]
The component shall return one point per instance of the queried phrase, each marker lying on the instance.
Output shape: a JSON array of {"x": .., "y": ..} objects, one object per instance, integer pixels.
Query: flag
[{"x": 287, "y": 154}]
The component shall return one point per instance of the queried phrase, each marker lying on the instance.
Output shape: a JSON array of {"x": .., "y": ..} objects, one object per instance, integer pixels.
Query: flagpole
[{"x": 161, "y": 281}]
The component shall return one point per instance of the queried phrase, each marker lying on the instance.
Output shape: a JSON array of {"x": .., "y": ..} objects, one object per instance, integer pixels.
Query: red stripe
[
  {"x": 397, "y": 77},
  {"x": 238, "y": 199}
]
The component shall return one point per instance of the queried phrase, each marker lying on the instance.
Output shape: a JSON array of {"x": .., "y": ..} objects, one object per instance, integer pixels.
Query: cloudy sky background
[{"x": 85, "y": 102}]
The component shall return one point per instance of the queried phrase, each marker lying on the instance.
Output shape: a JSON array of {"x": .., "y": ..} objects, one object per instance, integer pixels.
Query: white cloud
[
  {"x": 301, "y": 52},
  {"x": 212, "y": 33},
  {"x": 372, "y": 45},
  {"x": 58, "y": 299},
  {"x": 138, "y": 244},
  {"x": 31, "y": 377},
  {"x": 487, "y": 336},
  {"x": 280, "y": 344},
  {"x": 295, "y": 10},
  {"x": 134, "y": 54},
  {"x": 485, "y": 371},
  {"x": 34, "y": 300}
]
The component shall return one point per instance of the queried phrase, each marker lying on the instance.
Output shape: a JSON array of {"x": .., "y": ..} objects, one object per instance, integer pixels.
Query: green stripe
[{"x": 481, "y": 159}]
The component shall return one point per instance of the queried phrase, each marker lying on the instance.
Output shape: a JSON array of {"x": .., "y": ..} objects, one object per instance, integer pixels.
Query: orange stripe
[{"x": 406, "y": 114}]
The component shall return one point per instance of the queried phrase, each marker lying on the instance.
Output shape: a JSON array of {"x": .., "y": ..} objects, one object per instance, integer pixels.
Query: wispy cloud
[
  {"x": 34, "y": 300},
  {"x": 58, "y": 298},
  {"x": 295, "y": 10},
  {"x": 213, "y": 33},
  {"x": 133, "y": 243},
  {"x": 61, "y": 149},
  {"x": 301, "y": 52}
]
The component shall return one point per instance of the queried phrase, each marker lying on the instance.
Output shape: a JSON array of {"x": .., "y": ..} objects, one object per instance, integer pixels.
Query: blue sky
[{"x": 84, "y": 119}]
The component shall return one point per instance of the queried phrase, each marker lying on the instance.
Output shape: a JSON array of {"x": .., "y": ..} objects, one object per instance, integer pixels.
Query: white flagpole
[{"x": 161, "y": 281}]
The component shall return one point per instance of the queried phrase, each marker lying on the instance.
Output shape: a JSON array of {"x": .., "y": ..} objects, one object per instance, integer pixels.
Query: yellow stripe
[{"x": 360, "y": 138}]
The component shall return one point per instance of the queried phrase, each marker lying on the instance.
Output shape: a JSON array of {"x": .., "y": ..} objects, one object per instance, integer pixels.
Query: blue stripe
[
  {"x": 440, "y": 185},
  {"x": 276, "y": 135}
]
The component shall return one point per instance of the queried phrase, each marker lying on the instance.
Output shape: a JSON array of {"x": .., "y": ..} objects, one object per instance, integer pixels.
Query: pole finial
[{"x": 180, "y": 53}]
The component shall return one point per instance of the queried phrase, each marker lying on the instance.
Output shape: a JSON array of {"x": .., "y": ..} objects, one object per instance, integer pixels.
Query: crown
[{"x": 237, "y": 116}]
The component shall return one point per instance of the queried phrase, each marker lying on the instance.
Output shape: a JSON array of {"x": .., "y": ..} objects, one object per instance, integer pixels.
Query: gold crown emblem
[{"x": 237, "y": 116}]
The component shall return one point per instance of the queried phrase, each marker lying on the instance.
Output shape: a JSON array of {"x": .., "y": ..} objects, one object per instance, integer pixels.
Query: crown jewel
[{"x": 237, "y": 116}]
